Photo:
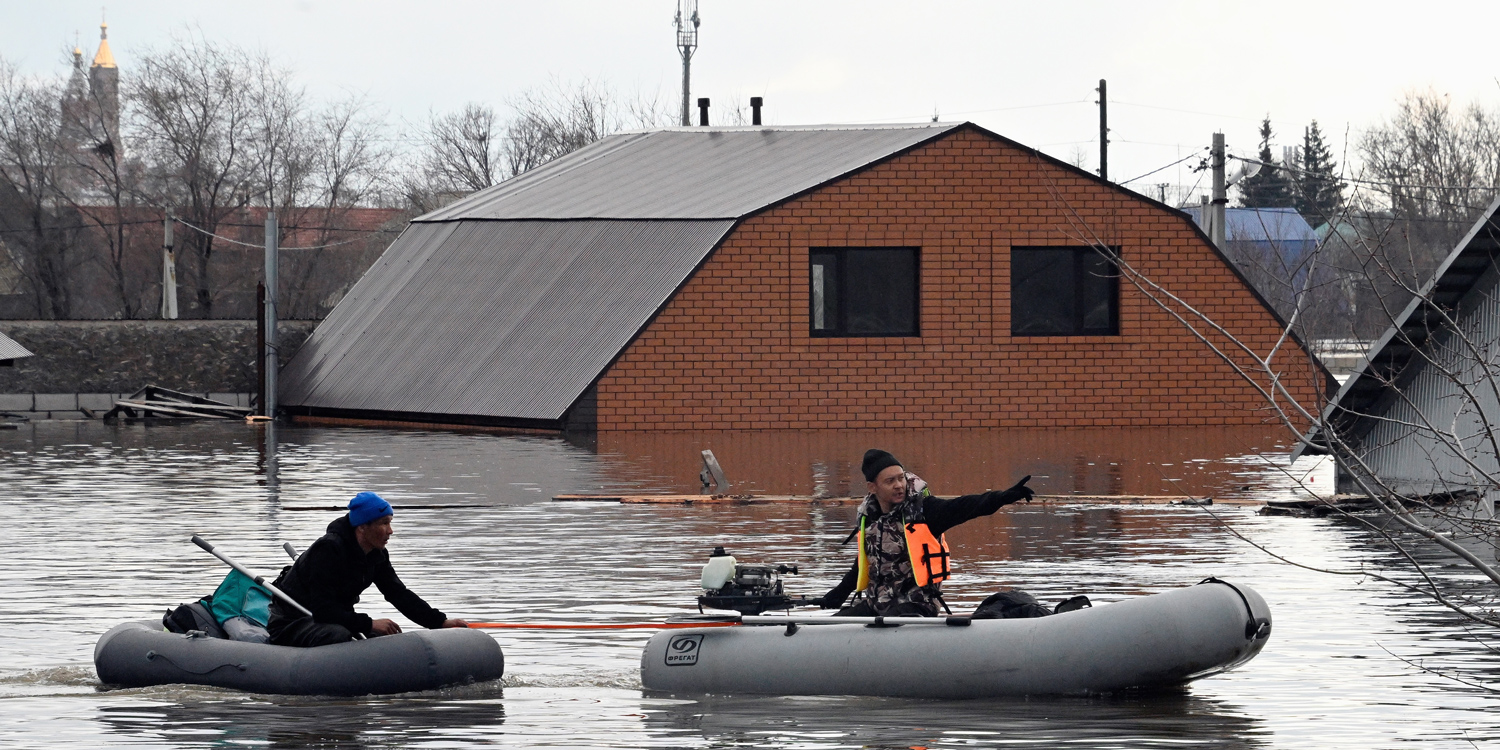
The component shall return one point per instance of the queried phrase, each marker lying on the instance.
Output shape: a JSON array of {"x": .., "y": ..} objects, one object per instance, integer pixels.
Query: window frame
[
  {"x": 1080, "y": 272},
  {"x": 841, "y": 311}
]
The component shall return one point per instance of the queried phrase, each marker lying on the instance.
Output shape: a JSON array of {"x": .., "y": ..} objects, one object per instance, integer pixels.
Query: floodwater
[{"x": 98, "y": 520}]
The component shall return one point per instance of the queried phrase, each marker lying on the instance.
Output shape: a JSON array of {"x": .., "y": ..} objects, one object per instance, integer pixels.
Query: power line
[
  {"x": 976, "y": 111},
  {"x": 1185, "y": 111},
  {"x": 81, "y": 226},
  {"x": 262, "y": 246},
  {"x": 1169, "y": 166},
  {"x": 1360, "y": 181}
]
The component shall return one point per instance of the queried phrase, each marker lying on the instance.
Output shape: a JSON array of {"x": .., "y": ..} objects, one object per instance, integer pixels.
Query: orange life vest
[{"x": 928, "y": 553}]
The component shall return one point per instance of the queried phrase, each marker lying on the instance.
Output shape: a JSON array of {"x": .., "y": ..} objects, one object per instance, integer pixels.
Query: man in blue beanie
[{"x": 329, "y": 577}]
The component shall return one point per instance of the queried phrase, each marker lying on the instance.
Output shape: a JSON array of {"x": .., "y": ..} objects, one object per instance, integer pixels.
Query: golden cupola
[{"x": 104, "y": 58}]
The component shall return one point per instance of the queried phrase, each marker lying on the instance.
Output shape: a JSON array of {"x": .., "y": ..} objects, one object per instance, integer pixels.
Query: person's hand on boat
[
  {"x": 454, "y": 622},
  {"x": 384, "y": 627},
  {"x": 1015, "y": 494}
]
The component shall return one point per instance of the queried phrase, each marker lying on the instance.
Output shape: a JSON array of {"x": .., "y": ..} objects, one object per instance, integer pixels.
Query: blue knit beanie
[{"x": 366, "y": 507}]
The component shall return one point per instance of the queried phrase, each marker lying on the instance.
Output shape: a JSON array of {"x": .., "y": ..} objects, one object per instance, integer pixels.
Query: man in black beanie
[{"x": 903, "y": 558}]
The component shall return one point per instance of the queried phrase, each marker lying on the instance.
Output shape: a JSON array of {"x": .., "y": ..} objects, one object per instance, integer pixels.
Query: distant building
[
  {"x": 91, "y": 101},
  {"x": 1281, "y": 231},
  {"x": 1421, "y": 412},
  {"x": 1273, "y": 247},
  {"x": 861, "y": 277}
]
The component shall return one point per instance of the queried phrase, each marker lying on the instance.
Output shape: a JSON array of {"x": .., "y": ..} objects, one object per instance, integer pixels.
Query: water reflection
[
  {"x": 98, "y": 520},
  {"x": 1133, "y": 461},
  {"x": 269, "y": 467},
  {"x": 219, "y": 719},
  {"x": 1139, "y": 720}
]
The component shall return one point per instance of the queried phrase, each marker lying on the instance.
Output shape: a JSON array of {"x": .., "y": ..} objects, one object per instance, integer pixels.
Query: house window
[
  {"x": 1063, "y": 291},
  {"x": 858, "y": 291}
]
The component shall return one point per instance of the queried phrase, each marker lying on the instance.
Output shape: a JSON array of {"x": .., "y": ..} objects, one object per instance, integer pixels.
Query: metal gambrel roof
[
  {"x": 1393, "y": 360},
  {"x": 509, "y": 320},
  {"x": 689, "y": 173},
  {"x": 9, "y": 349}
]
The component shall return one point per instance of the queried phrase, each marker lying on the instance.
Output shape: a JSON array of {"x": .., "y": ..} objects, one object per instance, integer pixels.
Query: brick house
[{"x": 934, "y": 275}]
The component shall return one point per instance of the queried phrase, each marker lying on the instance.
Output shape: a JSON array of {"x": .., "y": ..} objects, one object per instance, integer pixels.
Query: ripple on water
[{"x": 98, "y": 520}]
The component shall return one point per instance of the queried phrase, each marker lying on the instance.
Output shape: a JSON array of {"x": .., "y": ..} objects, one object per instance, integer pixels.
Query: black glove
[
  {"x": 830, "y": 600},
  {"x": 1015, "y": 494}
]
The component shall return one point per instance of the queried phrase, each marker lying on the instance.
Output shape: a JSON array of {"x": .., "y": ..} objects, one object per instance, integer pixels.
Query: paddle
[{"x": 259, "y": 581}]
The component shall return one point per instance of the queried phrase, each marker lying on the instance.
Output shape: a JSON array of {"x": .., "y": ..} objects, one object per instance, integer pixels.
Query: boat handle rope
[
  {"x": 1256, "y": 628},
  {"x": 152, "y": 656},
  {"x": 957, "y": 621},
  {"x": 600, "y": 626}
]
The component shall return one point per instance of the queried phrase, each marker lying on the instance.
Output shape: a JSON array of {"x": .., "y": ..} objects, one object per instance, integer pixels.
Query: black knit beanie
[{"x": 876, "y": 461}]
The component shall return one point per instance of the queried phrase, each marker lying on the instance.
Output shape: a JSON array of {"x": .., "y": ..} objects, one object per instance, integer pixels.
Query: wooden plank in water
[
  {"x": 402, "y": 507},
  {"x": 664, "y": 499},
  {"x": 701, "y": 499}
]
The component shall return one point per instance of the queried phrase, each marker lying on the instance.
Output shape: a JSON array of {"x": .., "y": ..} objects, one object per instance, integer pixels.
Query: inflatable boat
[
  {"x": 139, "y": 654},
  {"x": 1153, "y": 641}
]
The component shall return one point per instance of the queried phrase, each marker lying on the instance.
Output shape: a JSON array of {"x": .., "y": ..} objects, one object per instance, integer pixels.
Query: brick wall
[{"x": 732, "y": 351}]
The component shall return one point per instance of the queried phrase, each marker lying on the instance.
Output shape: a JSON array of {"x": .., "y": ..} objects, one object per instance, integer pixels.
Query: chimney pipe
[
  {"x": 755, "y": 103},
  {"x": 703, "y": 112}
]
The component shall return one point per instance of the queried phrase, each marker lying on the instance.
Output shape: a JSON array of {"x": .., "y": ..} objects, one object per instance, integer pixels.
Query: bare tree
[
  {"x": 470, "y": 150},
  {"x": 34, "y": 160},
  {"x": 1461, "y": 445},
  {"x": 1427, "y": 172},
  {"x": 105, "y": 187},
  {"x": 1434, "y": 168},
  {"x": 282, "y": 146},
  {"x": 350, "y": 162},
  {"x": 460, "y": 152},
  {"x": 195, "y": 107},
  {"x": 348, "y": 166}
]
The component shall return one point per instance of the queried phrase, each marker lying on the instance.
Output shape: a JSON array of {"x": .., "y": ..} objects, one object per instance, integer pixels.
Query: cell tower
[{"x": 687, "y": 41}]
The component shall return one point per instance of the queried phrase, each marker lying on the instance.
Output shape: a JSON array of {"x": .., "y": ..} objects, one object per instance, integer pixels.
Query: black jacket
[
  {"x": 940, "y": 515},
  {"x": 329, "y": 577}
]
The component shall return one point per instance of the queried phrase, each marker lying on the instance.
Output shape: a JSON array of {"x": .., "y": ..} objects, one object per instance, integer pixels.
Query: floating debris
[
  {"x": 155, "y": 402},
  {"x": 747, "y": 499},
  {"x": 1320, "y": 507}
]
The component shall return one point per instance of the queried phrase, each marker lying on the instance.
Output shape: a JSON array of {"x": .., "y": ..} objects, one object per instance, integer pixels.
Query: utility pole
[
  {"x": 168, "y": 272},
  {"x": 1103, "y": 131},
  {"x": 272, "y": 362},
  {"x": 1220, "y": 196},
  {"x": 687, "y": 42}
]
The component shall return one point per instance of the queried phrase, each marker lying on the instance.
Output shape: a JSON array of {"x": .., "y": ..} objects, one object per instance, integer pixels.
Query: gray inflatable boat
[
  {"x": 1153, "y": 641},
  {"x": 138, "y": 654}
]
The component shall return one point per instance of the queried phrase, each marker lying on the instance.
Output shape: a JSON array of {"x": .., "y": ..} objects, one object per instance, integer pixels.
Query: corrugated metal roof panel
[
  {"x": 688, "y": 173},
  {"x": 9, "y": 349},
  {"x": 509, "y": 319}
]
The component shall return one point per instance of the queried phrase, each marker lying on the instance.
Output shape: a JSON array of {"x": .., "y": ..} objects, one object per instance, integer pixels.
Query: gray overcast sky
[{"x": 1177, "y": 71}]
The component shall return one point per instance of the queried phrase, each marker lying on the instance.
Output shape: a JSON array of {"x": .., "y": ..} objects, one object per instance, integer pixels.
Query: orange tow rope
[{"x": 599, "y": 626}]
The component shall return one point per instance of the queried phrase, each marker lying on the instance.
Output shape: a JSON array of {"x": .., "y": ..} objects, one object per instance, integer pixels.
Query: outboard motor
[{"x": 745, "y": 588}]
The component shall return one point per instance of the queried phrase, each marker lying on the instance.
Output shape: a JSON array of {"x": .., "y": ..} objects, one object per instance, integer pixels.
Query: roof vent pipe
[
  {"x": 755, "y": 103},
  {"x": 703, "y": 112}
]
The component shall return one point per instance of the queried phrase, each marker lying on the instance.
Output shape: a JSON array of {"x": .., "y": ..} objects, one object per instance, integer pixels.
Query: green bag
[{"x": 238, "y": 596}]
